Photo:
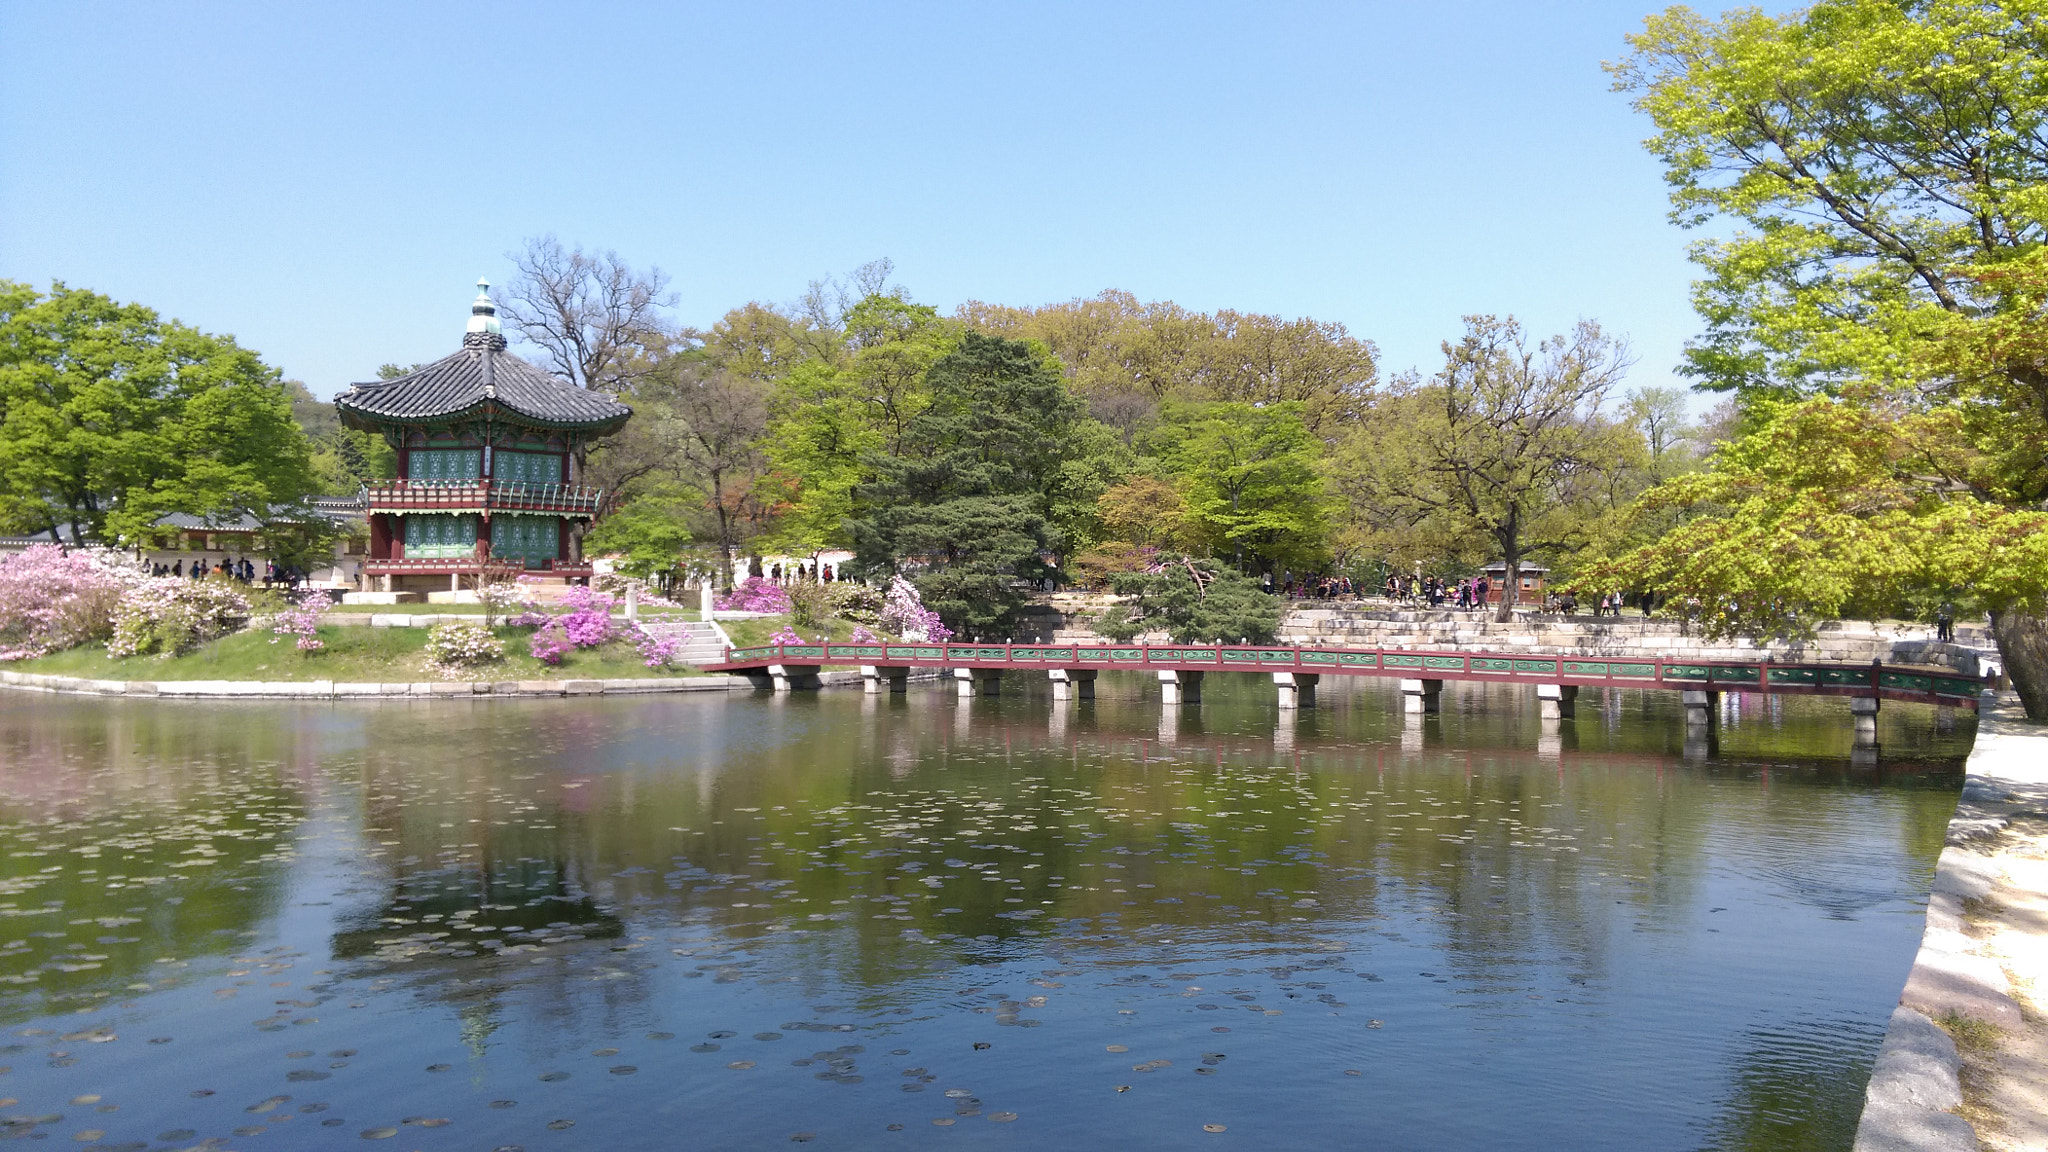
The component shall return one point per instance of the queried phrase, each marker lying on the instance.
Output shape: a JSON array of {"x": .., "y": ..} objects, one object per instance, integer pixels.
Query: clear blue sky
[{"x": 326, "y": 181}]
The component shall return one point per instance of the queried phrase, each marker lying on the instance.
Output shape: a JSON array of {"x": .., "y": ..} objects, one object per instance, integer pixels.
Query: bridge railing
[{"x": 1716, "y": 675}]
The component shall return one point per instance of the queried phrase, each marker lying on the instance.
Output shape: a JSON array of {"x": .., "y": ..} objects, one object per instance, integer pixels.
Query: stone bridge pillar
[
  {"x": 1297, "y": 689},
  {"x": 787, "y": 677},
  {"x": 1419, "y": 696},
  {"x": 978, "y": 682},
  {"x": 1072, "y": 683},
  {"x": 1702, "y": 709},
  {"x": 1864, "y": 710},
  {"x": 1180, "y": 687},
  {"x": 1557, "y": 701},
  {"x": 872, "y": 676}
]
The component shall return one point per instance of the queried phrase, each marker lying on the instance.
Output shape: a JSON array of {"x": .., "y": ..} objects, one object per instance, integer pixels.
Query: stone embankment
[
  {"x": 1975, "y": 980},
  {"x": 1067, "y": 617}
]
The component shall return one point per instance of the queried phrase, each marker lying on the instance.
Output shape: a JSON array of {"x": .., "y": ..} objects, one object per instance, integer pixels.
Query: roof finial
[{"x": 484, "y": 328}]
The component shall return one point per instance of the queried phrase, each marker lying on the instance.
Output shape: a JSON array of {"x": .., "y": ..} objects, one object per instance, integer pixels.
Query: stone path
[{"x": 1981, "y": 977}]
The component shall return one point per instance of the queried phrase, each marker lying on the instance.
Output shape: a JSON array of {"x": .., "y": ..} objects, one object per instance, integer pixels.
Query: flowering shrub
[
  {"x": 302, "y": 621},
  {"x": 501, "y": 597},
  {"x": 589, "y": 621},
  {"x": 904, "y": 613},
  {"x": 656, "y": 651},
  {"x": 861, "y": 635},
  {"x": 758, "y": 594},
  {"x": 856, "y": 602},
  {"x": 459, "y": 644},
  {"x": 167, "y": 615},
  {"x": 549, "y": 642},
  {"x": 787, "y": 636},
  {"x": 52, "y": 599}
]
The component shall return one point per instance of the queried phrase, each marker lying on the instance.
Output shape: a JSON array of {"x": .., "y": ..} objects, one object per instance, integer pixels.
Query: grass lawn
[
  {"x": 387, "y": 655},
  {"x": 748, "y": 633}
]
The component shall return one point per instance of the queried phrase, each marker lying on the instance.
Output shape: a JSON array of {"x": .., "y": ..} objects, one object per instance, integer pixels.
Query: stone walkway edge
[{"x": 1915, "y": 1084}]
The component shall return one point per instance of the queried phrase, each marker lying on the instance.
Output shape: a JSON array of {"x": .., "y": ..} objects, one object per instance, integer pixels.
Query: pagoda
[{"x": 489, "y": 465}]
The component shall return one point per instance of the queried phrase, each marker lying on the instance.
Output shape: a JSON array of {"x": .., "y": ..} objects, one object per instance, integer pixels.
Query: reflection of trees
[
  {"x": 1797, "y": 1088},
  {"x": 129, "y": 833},
  {"x": 849, "y": 841}
]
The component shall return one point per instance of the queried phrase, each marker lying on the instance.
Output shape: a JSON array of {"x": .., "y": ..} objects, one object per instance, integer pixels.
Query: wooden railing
[{"x": 521, "y": 495}]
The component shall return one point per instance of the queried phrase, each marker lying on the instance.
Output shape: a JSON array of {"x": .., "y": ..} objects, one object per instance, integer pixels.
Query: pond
[{"x": 743, "y": 921}]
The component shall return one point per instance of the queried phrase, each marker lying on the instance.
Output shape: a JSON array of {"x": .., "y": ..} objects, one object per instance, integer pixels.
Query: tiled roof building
[{"x": 489, "y": 449}]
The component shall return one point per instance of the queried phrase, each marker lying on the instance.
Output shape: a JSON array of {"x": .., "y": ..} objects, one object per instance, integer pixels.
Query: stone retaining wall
[
  {"x": 1847, "y": 641},
  {"x": 1915, "y": 1085},
  {"x": 425, "y": 689}
]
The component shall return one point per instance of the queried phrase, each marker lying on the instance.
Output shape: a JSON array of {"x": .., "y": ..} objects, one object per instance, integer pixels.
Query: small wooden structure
[{"x": 1531, "y": 591}]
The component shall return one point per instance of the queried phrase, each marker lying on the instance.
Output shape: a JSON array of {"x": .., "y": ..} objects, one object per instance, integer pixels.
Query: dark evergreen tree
[{"x": 962, "y": 508}]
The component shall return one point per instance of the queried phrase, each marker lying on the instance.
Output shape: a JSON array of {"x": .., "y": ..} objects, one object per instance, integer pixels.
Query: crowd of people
[
  {"x": 1468, "y": 594},
  {"x": 275, "y": 575}
]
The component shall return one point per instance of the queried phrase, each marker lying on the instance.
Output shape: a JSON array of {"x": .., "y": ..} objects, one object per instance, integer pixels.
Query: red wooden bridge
[{"x": 1295, "y": 667}]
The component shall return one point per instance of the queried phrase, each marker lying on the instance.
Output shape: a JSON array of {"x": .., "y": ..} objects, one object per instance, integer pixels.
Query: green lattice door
[
  {"x": 531, "y": 540},
  {"x": 439, "y": 535}
]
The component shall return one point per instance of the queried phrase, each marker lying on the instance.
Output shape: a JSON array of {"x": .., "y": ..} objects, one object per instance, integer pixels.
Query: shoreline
[
  {"x": 395, "y": 690},
  {"x": 1984, "y": 947}
]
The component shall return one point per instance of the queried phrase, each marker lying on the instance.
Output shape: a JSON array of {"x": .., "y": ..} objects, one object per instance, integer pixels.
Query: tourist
[{"x": 1945, "y": 623}]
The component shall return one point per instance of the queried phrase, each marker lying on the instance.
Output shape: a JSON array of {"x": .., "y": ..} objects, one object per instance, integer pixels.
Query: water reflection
[{"x": 1345, "y": 924}]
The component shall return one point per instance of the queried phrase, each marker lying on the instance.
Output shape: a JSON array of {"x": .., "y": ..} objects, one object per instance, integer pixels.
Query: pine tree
[{"x": 962, "y": 508}]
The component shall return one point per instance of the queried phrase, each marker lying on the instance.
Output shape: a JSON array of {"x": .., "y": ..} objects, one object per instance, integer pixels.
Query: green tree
[
  {"x": 1878, "y": 172},
  {"x": 111, "y": 416},
  {"x": 1127, "y": 358},
  {"x": 831, "y": 412},
  {"x": 1249, "y": 481},
  {"x": 963, "y": 505},
  {"x": 1194, "y": 601},
  {"x": 343, "y": 459},
  {"x": 1506, "y": 444}
]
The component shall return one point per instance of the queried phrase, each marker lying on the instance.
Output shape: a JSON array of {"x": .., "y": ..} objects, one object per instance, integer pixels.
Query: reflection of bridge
[{"x": 979, "y": 668}]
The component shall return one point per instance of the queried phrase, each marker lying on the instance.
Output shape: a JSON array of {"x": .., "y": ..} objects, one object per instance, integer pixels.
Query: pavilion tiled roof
[{"x": 457, "y": 385}]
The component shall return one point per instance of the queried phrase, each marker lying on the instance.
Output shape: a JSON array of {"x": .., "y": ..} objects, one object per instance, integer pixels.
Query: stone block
[
  {"x": 582, "y": 687},
  {"x": 1974, "y": 986},
  {"x": 540, "y": 688}
]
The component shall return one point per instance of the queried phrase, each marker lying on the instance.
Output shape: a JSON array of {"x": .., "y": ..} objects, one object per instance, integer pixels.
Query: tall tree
[
  {"x": 596, "y": 319},
  {"x": 831, "y": 414},
  {"x": 1128, "y": 357},
  {"x": 719, "y": 419},
  {"x": 1658, "y": 416},
  {"x": 1506, "y": 443},
  {"x": 1877, "y": 168},
  {"x": 1249, "y": 483},
  {"x": 111, "y": 416},
  {"x": 963, "y": 506}
]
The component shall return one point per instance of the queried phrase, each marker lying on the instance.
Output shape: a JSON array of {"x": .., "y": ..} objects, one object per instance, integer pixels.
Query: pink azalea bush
[
  {"x": 787, "y": 635},
  {"x": 861, "y": 635},
  {"x": 656, "y": 651},
  {"x": 166, "y": 615},
  {"x": 904, "y": 613},
  {"x": 758, "y": 594},
  {"x": 302, "y": 621},
  {"x": 549, "y": 643},
  {"x": 589, "y": 620},
  {"x": 52, "y": 598}
]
